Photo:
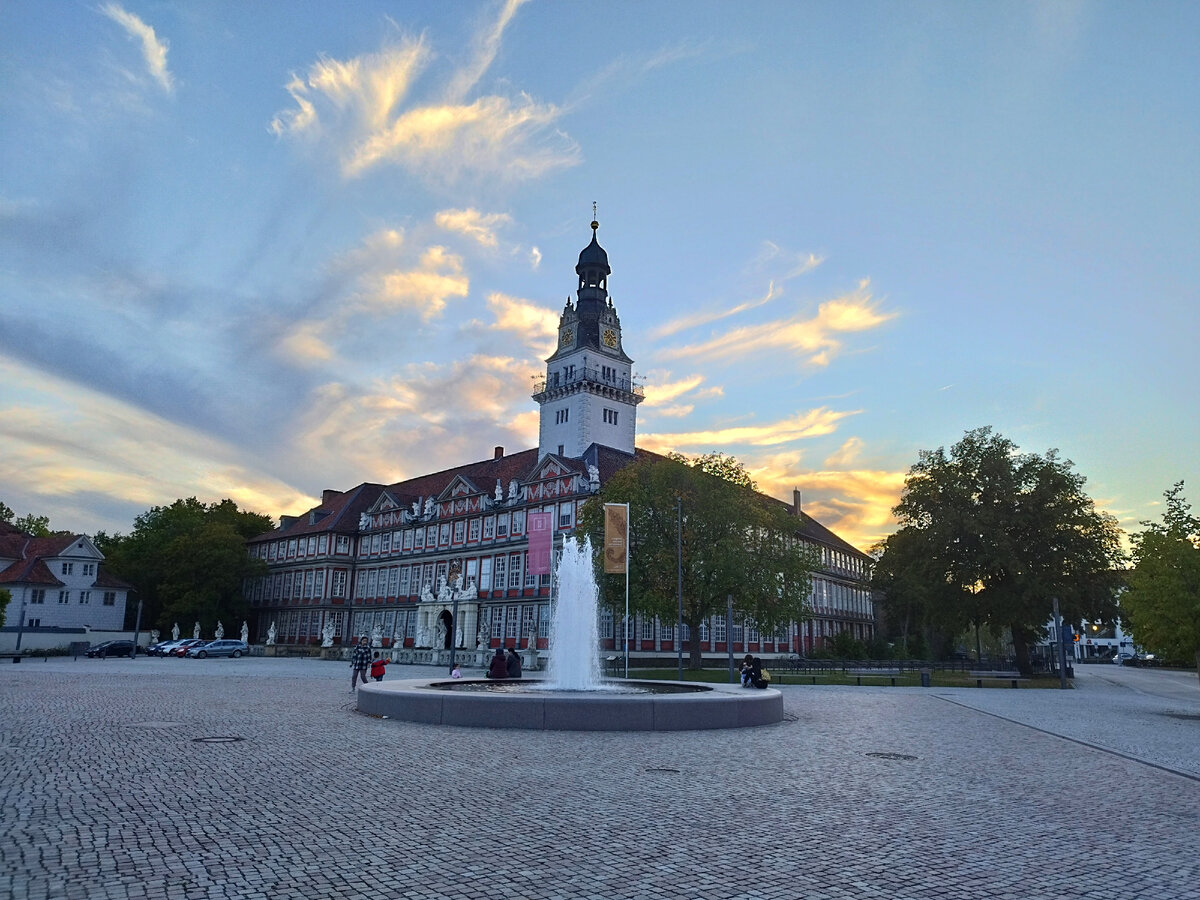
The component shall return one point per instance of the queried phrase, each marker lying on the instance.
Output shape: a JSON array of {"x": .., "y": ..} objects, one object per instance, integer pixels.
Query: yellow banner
[{"x": 616, "y": 531}]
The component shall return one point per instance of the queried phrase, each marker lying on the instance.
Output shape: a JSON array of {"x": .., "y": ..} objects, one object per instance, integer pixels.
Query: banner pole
[{"x": 627, "y": 622}]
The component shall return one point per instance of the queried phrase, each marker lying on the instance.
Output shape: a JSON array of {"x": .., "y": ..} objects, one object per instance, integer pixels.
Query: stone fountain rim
[{"x": 721, "y": 706}]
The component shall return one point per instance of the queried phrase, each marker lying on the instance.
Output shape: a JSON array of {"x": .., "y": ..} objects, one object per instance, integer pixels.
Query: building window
[
  {"x": 444, "y": 536},
  {"x": 68, "y": 568},
  {"x": 420, "y": 538},
  {"x": 408, "y": 539},
  {"x": 518, "y": 523},
  {"x": 531, "y": 580},
  {"x": 561, "y": 416},
  {"x": 566, "y": 515},
  {"x": 514, "y": 570},
  {"x": 511, "y": 621},
  {"x": 489, "y": 528},
  {"x": 292, "y": 547},
  {"x": 308, "y": 583},
  {"x": 37, "y": 596},
  {"x": 501, "y": 562},
  {"x": 647, "y": 629},
  {"x": 385, "y": 545},
  {"x": 460, "y": 530},
  {"x": 343, "y": 544},
  {"x": 666, "y": 631},
  {"x": 375, "y": 542},
  {"x": 610, "y": 417},
  {"x": 473, "y": 531},
  {"x": 431, "y": 536},
  {"x": 89, "y": 568},
  {"x": 606, "y": 623},
  {"x": 312, "y": 546},
  {"x": 404, "y": 581},
  {"x": 502, "y": 526},
  {"x": 485, "y": 574},
  {"x": 529, "y": 620},
  {"x": 64, "y": 596},
  {"x": 323, "y": 544},
  {"x": 497, "y": 622},
  {"x": 718, "y": 629},
  {"x": 85, "y": 596},
  {"x": 339, "y": 584}
]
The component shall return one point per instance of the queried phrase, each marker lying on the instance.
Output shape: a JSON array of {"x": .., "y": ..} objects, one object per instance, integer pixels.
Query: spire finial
[{"x": 595, "y": 224}]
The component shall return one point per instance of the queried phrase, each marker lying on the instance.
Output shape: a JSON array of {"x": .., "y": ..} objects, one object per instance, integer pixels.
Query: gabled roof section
[
  {"x": 554, "y": 466},
  {"x": 29, "y": 571},
  {"x": 384, "y": 502},
  {"x": 459, "y": 486}
]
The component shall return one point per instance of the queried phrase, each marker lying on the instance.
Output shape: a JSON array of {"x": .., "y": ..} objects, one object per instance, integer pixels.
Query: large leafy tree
[
  {"x": 1162, "y": 605},
  {"x": 5, "y": 599},
  {"x": 187, "y": 561},
  {"x": 998, "y": 534},
  {"x": 735, "y": 542}
]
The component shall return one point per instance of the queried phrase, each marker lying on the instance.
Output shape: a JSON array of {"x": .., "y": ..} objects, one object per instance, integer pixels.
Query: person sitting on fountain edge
[
  {"x": 747, "y": 665},
  {"x": 756, "y": 674},
  {"x": 513, "y": 666},
  {"x": 498, "y": 668}
]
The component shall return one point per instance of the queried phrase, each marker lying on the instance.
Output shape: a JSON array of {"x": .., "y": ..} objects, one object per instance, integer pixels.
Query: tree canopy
[
  {"x": 187, "y": 561},
  {"x": 1162, "y": 605},
  {"x": 990, "y": 536},
  {"x": 38, "y": 526},
  {"x": 735, "y": 542}
]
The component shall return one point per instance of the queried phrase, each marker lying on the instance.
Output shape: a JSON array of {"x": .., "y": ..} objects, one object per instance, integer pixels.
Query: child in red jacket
[{"x": 378, "y": 664}]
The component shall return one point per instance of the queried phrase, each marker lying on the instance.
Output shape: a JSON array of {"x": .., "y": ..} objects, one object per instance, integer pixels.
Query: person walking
[{"x": 360, "y": 662}]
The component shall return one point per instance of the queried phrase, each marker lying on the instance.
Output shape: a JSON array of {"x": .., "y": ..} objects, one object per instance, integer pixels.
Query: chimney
[
  {"x": 327, "y": 496},
  {"x": 797, "y": 503},
  {"x": 498, "y": 453}
]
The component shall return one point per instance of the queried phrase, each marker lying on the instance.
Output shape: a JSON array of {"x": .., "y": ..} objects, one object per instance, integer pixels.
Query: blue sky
[{"x": 258, "y": 250}]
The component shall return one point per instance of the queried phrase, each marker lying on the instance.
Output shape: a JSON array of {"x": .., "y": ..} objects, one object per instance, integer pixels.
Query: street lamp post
[
  {"x": 679, "y": 582},
  {"x": 454, "y": 630},
  {"x": 137, "y": 629}
]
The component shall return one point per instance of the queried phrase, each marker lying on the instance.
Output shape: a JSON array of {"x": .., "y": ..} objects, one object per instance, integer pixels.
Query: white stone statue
[
  {"x": 471, "y": 590},
  {"x": 377, "y": 635},
  {"x": 416, "y": 510},
  {"x": 245, "y": 632},
  {"x": 427, "y": 594},
  {"x": 397, "y": 640},
  {"x": 422, "y": 638},
  {"x": 481, "y": 640},
  {"x": 220, "y": 632},
  {"x": 443, "y": 594},
  {"x": 364, "y": 522},
  {"x": 513, "y": 490},
  {"x": 458, "y": 637},
  {"x": 594, "y": 478},
  {"x": 271, "y": 635},
  {"x": 499, "y": 491},
  {"x": 456, "y": 583},
  {"x": 326, "y": 633},
  {"x": 439, "y": 635},
  {"x": 196, "y": 632},
  {"x": 175, "y": 632},
  {"x": 429, "y": 507},
  {"x": 154, "y": 638},
  {"x": 532, "y": 644}
]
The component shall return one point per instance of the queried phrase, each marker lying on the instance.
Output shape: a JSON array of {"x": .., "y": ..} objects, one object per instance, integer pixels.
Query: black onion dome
[{"x": 593, "y": 255}]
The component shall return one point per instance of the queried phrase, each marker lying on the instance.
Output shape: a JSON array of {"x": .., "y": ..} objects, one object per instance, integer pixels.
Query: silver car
[{"x": 219, "y": 648}]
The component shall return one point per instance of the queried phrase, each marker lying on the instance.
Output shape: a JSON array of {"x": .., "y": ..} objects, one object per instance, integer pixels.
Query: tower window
[
  {"x": 561, "y": 416},
  {"x": 610, "y": 417}
]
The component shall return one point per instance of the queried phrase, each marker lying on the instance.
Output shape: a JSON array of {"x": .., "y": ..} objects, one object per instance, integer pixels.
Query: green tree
[
  {"x": 735, "y": 542},
  {"x": 5, "y": 599},
  {"x": 1162, "y": 605},
  {"x": 187, "y": 561},
  {"x": 1000, "y": 534},
  {"x": 38, "y": 526},
  {"x": 6, "y": 513}
]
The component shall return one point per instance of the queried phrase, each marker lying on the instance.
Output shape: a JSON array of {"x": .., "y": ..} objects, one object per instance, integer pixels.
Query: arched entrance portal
[{"x": 448, "y": 626}]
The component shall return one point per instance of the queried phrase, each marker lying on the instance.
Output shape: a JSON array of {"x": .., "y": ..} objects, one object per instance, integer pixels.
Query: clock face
[
  {"x": 610, "y": 338},
  {"x": 567, "y": 337}
]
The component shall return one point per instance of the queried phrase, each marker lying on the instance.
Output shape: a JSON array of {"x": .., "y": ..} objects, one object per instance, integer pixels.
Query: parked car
[
  {"x": 161, "y": 648},
  {"x": 232, "y": 648},
  {"x": 182, "y": 647},
  {"x": 112, "y": 648}
]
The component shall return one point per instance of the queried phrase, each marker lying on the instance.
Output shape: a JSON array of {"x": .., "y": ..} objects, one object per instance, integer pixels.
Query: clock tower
[{"x": 588, "y": 395}]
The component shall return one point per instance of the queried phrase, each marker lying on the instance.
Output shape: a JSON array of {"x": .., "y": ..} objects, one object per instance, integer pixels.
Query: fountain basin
[{"x": 686, "y": 707}]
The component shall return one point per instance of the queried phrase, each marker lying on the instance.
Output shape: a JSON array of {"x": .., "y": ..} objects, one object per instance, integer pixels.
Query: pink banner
[{"x": 541, "y": 540}]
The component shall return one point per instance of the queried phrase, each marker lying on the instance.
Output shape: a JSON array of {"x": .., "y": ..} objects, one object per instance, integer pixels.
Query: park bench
[{"x": 1012, "y": 677}]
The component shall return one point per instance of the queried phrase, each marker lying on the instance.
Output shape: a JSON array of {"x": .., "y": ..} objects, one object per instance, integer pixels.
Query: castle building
[{"x": 397, "y": 561}]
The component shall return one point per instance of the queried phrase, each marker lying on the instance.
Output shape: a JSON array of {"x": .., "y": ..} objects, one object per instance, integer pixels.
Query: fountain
[{"x": 573, "y": 697}]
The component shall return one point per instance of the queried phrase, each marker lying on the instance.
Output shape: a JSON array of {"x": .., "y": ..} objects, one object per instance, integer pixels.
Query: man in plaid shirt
[{"x": 360, "y": 663}]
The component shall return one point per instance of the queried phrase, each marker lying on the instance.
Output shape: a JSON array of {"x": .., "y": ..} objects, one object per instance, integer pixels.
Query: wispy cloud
[
  {"x": 814, "y": 423},
  {"x": 479, "y": 227},
  {"x": 154, "y": 49},
  {"x": 813, "y": 339},
  {"x": 535, "y": 324},
  {"x": 358, "y": 107},
  {"x": 694, "y": 320}
]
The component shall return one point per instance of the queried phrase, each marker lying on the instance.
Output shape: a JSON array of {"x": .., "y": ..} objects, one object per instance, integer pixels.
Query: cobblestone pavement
[{"x": 897, "y": 793}]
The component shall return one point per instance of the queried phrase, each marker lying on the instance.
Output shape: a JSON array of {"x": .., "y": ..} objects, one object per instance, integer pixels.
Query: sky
[{"x": 257, "y": 250}]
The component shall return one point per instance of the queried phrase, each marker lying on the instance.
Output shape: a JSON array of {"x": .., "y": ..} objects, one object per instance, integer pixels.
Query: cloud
[
  {"x": 695, "y": 320},
  {"x": 63, "y": 442},
  {"x": 811, "y": 338},
  {"x": 845, "y": 454},
  {"x": 424, "y": 289},
  {"x": 357, "y": 107},
  {"x": 814, "y": 423},
  {"x": 480, "y": 227},
  {"x": 537, "y": 325},
  {"x": 855, "y": 503},
  {"x": 154, "y": 49},
  {"x": 535, "y": 257}
]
